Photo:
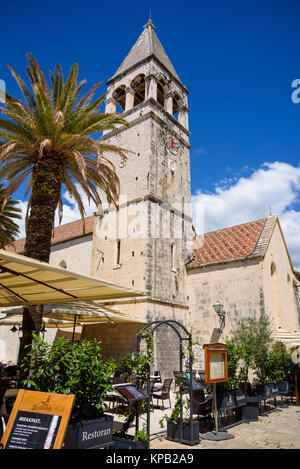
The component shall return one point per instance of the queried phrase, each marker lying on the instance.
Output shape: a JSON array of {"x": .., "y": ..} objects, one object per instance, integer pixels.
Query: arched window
[
  {"x": 177, "y": 103},
  {"x": 119, "y": 96},
  {"x": 138, "y": 85},
  {"x": 273, "y": 269}
]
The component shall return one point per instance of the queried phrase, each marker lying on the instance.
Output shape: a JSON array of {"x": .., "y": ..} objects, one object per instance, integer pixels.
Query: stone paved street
[{"x": 278, "y": 430}]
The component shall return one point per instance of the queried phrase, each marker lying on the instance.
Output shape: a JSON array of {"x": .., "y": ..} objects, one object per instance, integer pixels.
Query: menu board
[
  {"x": 131, "y": 392},
  {"x": 216, "y": 367},
  {"x": 38, "y": 420},
  {"x": 32, "y": 430}
]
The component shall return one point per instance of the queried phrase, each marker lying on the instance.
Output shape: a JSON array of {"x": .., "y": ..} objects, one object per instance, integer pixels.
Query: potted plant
[
  {"x": 74, "y": 368},
  {"x": 175, "y": 425},
  {"x": 275, "y": 371},
  {"x": 139, "y": 441}
]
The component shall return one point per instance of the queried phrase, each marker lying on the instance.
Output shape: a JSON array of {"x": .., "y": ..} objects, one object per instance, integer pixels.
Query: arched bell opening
[{"x": 138, "y": 87}]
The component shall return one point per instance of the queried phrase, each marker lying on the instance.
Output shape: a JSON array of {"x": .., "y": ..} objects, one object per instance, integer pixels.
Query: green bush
[
  {"x": 276, "y": 366},
  {"x": 70, "y": 368},
  {"x": 235, "y": 367},
  {"x": 247, "y": 348}
]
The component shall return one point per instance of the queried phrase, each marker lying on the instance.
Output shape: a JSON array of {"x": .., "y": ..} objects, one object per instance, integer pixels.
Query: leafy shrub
[
  {"x": 252, "y": 338},
  {"x": 70, "y": 368},
  {"x": 276, "y": 366},
  {"x": 235, "y": 366}
]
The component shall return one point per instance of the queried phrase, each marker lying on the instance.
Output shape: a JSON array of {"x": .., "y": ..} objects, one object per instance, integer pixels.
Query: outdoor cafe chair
[
  {"x": 164, "y": 393},
  {"x": 202, "y": 406},
  {"x": 177, "y": 376}
]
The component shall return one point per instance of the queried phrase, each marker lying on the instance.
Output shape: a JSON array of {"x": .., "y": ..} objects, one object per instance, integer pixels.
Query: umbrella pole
[{"x": 74, "y": 325}]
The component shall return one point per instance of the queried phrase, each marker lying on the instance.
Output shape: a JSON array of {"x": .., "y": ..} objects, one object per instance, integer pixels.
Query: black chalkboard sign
[
  {"x": 32, "y": 430},
  {"x": 131, "y": 392},
  {"x": 38, "y": 420}
]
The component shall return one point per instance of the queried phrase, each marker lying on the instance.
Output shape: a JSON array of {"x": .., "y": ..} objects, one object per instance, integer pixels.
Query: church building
[{"x": 150, "y": 243}]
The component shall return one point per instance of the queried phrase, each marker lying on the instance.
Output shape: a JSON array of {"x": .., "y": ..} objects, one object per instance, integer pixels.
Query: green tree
[
  {"x": 254, "y": 337},
  {"x": 46, "y": 141},
  {"x": 9, "y": 229}
]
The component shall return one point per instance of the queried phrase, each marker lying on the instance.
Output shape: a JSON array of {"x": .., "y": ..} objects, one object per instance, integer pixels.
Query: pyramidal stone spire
[{"x": 147, "y": 45}]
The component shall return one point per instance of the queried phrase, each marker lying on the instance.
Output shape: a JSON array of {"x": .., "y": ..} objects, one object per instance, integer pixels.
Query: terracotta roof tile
[
  {"x": 61, "y": 234},
  {"x": 236, "y": 242}
]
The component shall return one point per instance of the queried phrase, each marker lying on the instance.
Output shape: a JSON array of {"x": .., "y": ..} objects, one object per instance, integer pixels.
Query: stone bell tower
[{"x": 146, "y": 245}]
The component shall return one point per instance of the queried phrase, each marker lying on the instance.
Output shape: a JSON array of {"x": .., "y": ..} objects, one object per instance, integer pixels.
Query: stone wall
[
  {"x": 116, "y": 341},
  {"x": 237, "y": 285},
  {"x": 279, "y": 279},
  {"x": 74, "y": 254}
]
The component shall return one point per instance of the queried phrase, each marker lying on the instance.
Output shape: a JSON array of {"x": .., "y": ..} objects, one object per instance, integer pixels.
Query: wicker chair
[{"x": 202, "y": 406}]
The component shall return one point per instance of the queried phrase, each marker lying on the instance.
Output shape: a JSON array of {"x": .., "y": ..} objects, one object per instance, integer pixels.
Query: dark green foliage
[
  {"x": 236, "y": 360},
  {"x": 253, "y": 348},
  {"x": 8, "y": 214},
  {"x": 253, "y": 337},
  {"x": 276, "y": 366},
  {"x": 70, "y": 368}
]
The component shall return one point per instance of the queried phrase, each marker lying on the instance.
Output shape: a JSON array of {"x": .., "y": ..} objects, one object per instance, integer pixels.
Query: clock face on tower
[{"x": 173, "y": 145}]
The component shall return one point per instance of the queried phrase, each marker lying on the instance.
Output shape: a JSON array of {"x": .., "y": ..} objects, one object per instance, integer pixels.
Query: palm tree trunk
[{"x": 44, "y": 200}]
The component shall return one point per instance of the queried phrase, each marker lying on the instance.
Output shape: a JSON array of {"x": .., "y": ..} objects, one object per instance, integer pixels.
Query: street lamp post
[{"x": 218, "y": 307}]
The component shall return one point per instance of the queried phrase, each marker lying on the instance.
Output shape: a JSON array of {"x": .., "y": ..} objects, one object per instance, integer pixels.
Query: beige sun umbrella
[
  {"x": 16, "y": 320},
  {"x": 72, "y": 314}
]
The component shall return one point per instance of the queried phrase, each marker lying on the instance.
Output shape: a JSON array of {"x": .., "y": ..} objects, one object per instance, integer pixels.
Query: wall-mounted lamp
[{"x": 218, "y": 307}]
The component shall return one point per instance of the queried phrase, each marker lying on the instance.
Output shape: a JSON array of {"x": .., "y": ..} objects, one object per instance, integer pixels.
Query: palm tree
[
  {"x": 46, "y": 143},
  {"x": 8, "y": 213}
]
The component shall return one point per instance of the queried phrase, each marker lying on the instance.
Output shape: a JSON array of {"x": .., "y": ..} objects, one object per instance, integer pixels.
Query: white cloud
[
  {"x": 274, "y": 186},
  {"x": 71, "y": 211},
  {"x": 23, "y": 206}
]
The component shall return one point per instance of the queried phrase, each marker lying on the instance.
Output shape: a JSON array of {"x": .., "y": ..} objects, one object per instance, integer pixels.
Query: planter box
[
  {"x": 250, "y": 412},
  {"x": 226, "y": 401},
  {"x": 127, "y": 443},
  {"x": 274, "y": 390},
  {"x": 283, "y": 387},
  {"x": 240, "y": 398},
  {"x": 173, "y": 433},
  {"x": 264, "y": 390},
  {"x": 90, "y": 434}
]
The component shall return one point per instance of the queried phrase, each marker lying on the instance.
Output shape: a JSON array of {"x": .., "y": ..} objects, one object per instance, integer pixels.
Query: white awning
[{"x": 26, "y": 281}]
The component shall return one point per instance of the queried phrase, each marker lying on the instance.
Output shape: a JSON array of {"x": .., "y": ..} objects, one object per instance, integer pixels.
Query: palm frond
[{"x": 52, "y": 130}]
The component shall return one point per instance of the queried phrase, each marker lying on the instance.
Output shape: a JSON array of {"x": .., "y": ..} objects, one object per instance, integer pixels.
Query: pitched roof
[
  {"x": 147, "y": 45},
  {"x": 234, "y": 243},
  {"x": 61, "y": 233}
]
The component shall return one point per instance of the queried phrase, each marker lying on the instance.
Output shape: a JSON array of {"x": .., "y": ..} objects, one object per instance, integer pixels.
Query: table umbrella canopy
[
  {"x": 76, "y": 314},
  {"x": 16, "y": 320},
  {"x": 26, "y": 281}
]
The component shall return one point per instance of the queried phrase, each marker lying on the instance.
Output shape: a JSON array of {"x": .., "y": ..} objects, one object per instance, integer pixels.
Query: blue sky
[{"x": 238, "y": 58}]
